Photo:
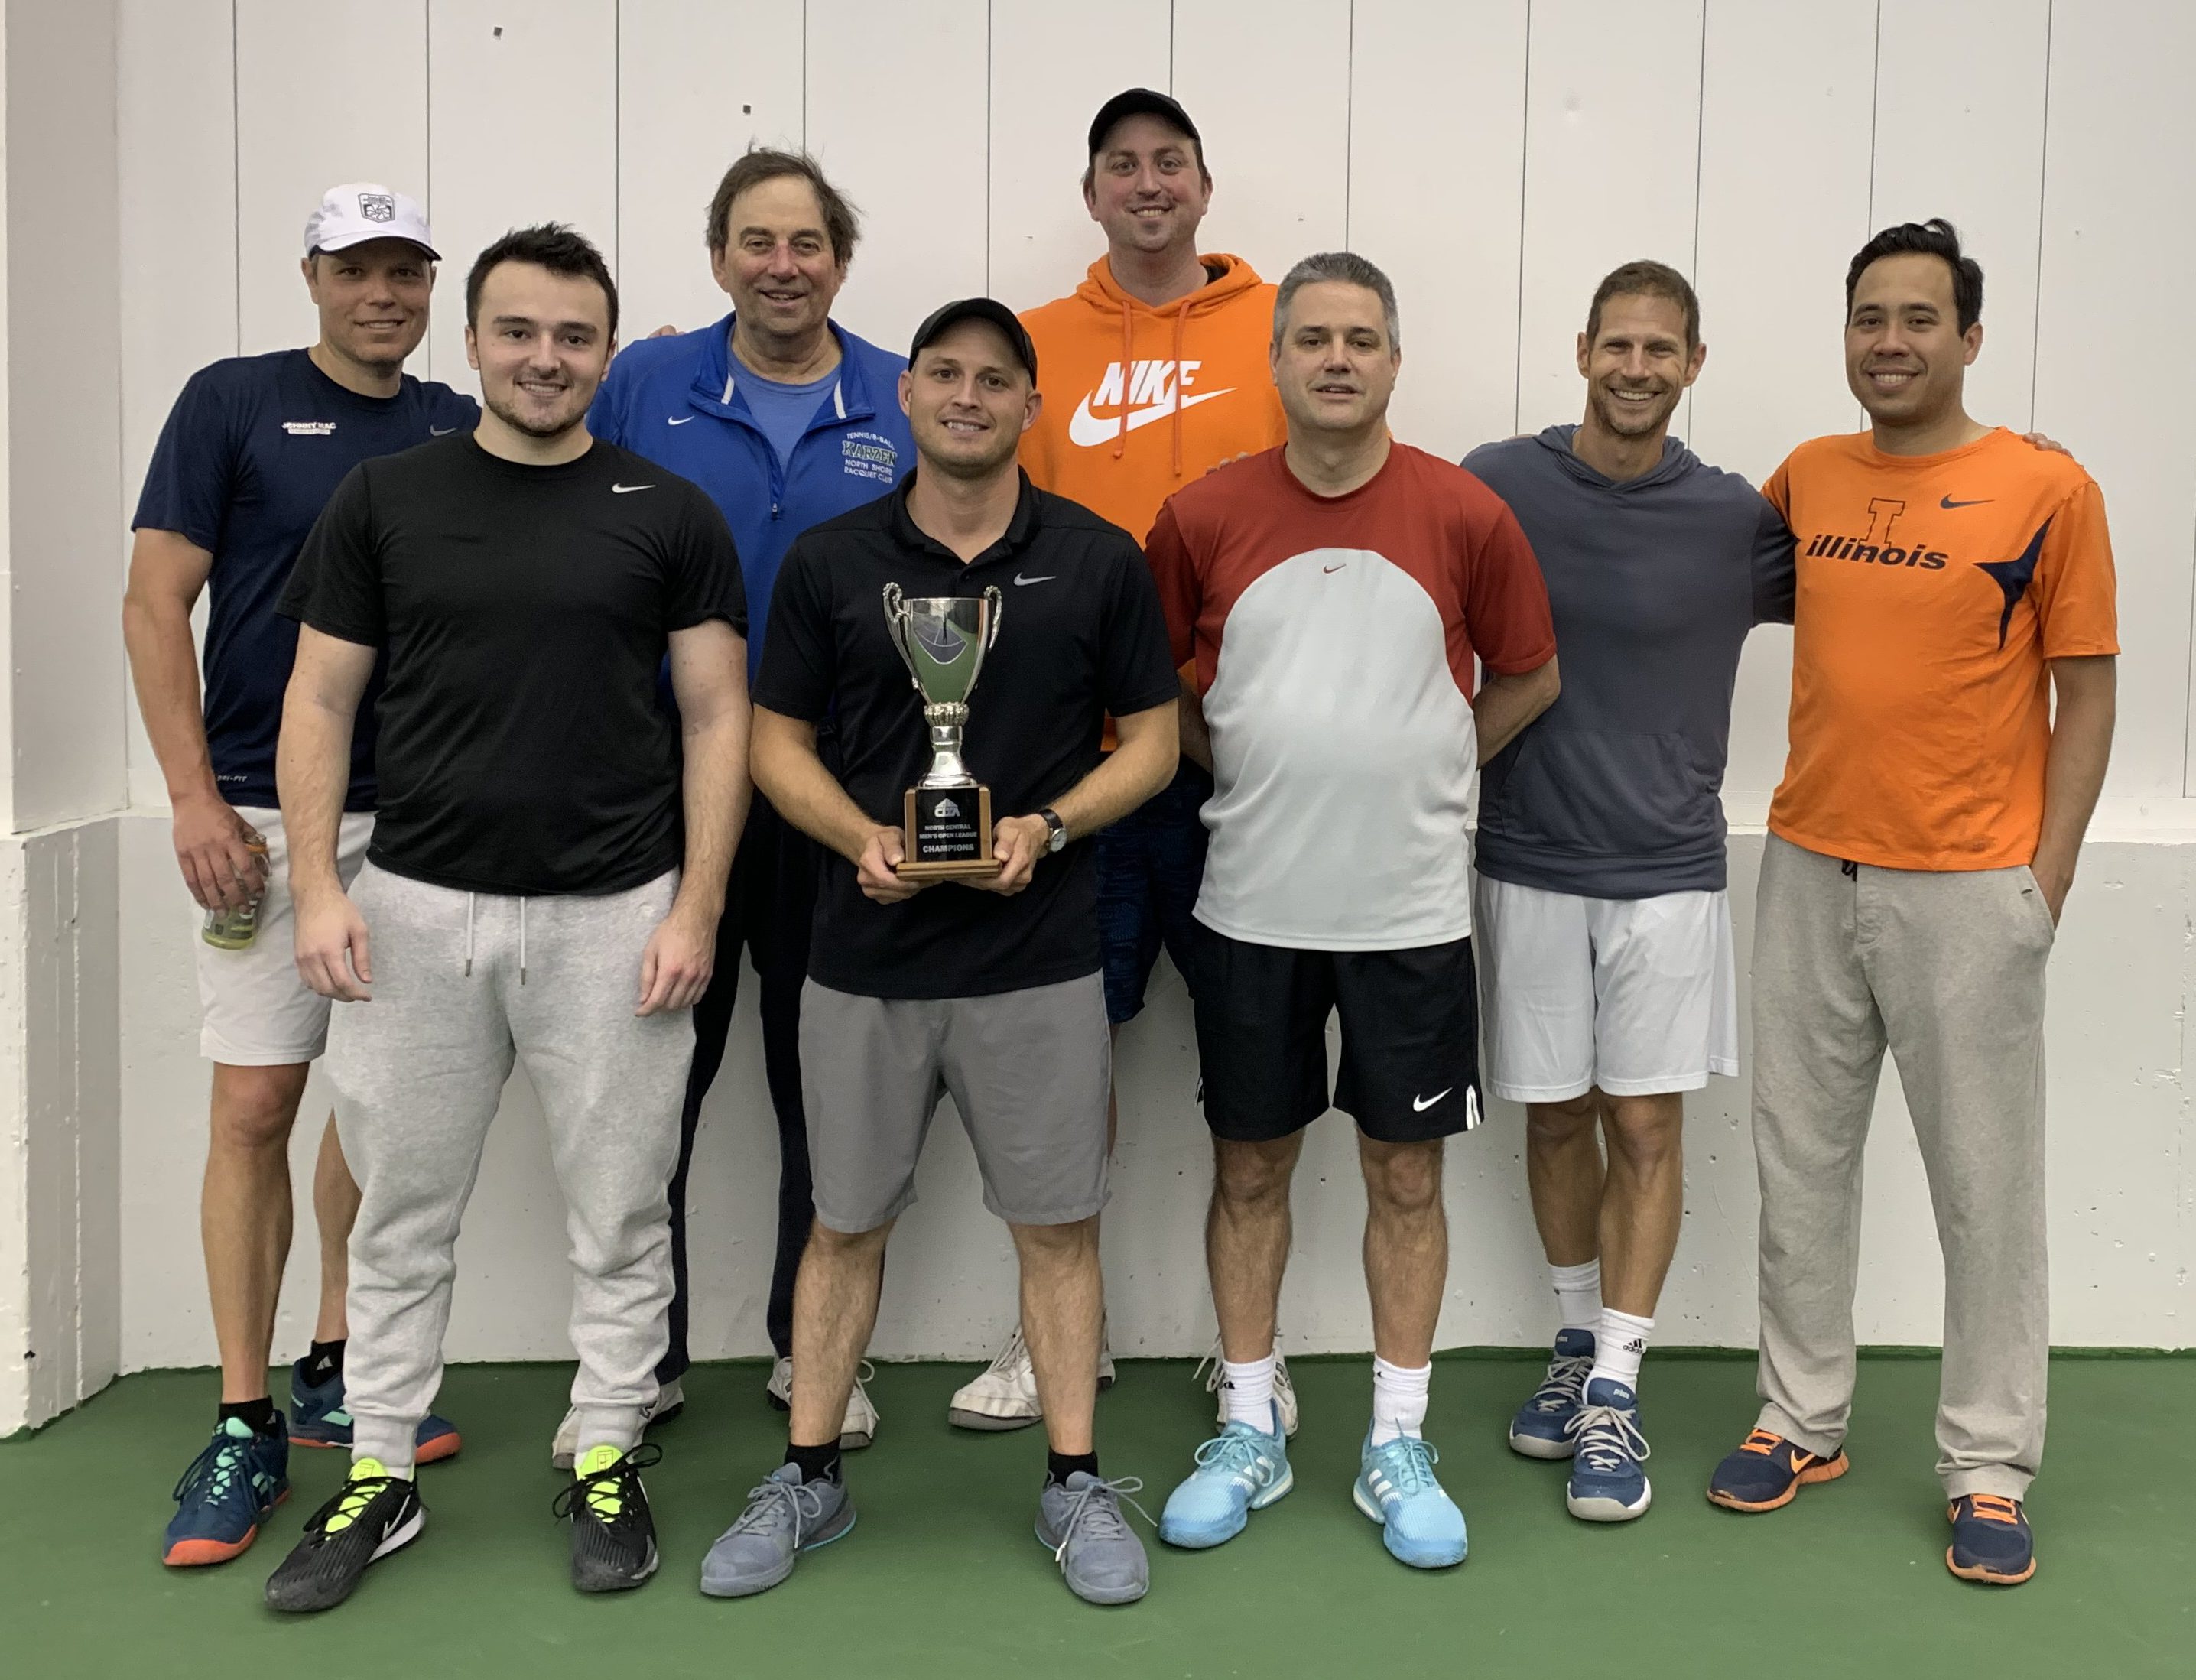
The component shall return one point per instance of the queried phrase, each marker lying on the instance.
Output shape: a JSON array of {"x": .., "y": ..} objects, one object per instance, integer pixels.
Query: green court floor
[{"x": 942, "y": 1577}]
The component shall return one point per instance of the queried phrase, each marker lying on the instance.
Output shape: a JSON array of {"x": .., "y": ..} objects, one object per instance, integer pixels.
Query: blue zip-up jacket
[{"x": 677, "y": 401}]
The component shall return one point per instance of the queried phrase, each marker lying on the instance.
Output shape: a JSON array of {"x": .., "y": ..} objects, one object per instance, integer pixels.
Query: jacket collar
[{"x": 717, "y": 378}]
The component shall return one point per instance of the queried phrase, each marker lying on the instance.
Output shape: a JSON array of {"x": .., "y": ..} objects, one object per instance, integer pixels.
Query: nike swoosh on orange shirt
[{"x": 1089, "y": 430}]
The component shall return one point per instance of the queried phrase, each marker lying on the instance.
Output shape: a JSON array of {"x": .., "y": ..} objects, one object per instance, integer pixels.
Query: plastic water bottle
[{"x": 234, "y": 930}]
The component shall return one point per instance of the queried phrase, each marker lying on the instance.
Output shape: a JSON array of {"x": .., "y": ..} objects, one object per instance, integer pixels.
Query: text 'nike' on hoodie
[
  {"x": 1140, "y": 401},
  {"x": 1614, "y": 791}
]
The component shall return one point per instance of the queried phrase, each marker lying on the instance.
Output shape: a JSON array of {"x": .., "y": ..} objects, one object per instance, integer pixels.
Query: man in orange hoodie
[{"x": 1159, "y": 373}]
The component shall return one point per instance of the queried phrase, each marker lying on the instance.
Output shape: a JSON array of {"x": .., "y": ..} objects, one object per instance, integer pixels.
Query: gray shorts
[{"x": 1028, "y": 1069}]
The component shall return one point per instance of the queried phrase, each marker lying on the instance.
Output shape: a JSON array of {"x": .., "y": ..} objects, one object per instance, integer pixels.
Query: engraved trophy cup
[{"x": 944, "y": 639}]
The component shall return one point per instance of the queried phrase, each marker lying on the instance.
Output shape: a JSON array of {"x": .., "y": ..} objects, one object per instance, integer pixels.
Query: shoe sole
[
  {"x": 1094, "y": 1595},
  {"x": 985, "y": 1423},
  {"x": 198, "y": 1554},
  {"x": 748, "y": 1589},
  {"x": 1807, "y": 1478},
  {"x": 429, "y": 1452},
  {"x": 1986, "y": 1575},
  {"x": 1364, "y": 1503},
  {"x": 608, "y": 1583},
  {"x": 1609, "y": 1510},
  {"x": 1533, "y": 1447}
]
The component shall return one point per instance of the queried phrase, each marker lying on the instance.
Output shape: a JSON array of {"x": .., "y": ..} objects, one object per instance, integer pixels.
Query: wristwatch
[{"x": 1058, "y": 829}]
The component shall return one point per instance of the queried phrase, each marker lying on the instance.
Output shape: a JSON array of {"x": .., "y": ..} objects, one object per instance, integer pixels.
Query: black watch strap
[{"x": 1059, "y": 829}]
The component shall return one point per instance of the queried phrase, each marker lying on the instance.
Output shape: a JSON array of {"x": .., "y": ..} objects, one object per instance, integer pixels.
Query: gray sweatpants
[
  {"x": 462, "y": 983},
  {"x": 1947, "y": 969}
]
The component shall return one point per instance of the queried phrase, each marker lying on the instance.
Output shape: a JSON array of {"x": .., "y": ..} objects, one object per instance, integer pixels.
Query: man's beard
[{"x": 510, "y": 416}]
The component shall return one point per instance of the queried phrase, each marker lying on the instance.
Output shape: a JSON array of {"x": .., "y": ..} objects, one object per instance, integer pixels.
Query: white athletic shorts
[
  {"x": 257, "y": 1012},
  {"x": 1635, "y": 996}
]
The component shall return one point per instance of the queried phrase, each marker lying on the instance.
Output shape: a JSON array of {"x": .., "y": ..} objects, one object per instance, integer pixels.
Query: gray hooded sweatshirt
[{"x": 1612, "y": 792}]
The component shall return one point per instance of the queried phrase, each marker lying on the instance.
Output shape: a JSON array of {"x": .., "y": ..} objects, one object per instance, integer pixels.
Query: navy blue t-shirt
[{"x": 252, "y": 451}]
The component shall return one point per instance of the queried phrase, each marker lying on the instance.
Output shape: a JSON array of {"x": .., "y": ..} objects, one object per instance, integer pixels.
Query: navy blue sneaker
[
  {"x": 1541, "y": 1429},
  {"x": 1768, "y": 1471},
  {"x": 227, "y": 1493},
  {"x": 1990, "y": 1540},
  {"x": 1607, "y": 1482},
  {"x": 317, "y": 1418}
]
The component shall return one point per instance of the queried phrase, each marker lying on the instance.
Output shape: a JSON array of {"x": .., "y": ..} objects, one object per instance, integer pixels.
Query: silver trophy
[{"x": 944, "y": 639}]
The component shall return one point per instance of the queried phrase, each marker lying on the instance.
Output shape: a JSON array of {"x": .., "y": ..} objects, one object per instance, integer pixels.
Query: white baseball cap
[{"x": 353, "y": 214}]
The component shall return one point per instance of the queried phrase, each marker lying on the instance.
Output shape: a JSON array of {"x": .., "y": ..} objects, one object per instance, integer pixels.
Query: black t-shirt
[
  {"x": 1080, "y": 634},
  {"x": 252, "y": 451},
  {"x": 524, "y": 610}
]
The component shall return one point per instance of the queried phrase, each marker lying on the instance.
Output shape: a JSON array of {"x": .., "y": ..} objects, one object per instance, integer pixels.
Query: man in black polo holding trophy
[{"x": 955, "y": 945}]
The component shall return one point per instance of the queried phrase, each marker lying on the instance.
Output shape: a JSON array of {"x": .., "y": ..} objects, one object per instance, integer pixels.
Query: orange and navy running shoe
[
  {"x": 1768, "y": 1471},
  {"x": 1990, "y": 1540}
]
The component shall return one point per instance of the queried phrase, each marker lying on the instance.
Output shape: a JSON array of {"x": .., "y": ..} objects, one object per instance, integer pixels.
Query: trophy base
[{"x": 948, "y": 834}]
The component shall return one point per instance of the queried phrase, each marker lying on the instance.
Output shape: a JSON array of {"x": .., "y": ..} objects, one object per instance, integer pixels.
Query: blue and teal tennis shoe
[
  {"x": 317, "y": 1418},
  {"x": 1419, "y": 1524},
  {"x": 1240, "y": 1470},
  {"x": 1541, "y": 1429},
  {"x": 229, "y": 1490},
  {"x": 1608, "y": 1484}
]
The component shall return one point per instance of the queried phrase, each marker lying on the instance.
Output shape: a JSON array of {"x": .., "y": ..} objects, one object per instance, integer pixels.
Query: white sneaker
[
  {"x": 1284, "y": 1392},
  {"x": 859, "y": 1426},
  {"x": 1004, "y": 1397},
  {"x": 670, "y": 1401}
]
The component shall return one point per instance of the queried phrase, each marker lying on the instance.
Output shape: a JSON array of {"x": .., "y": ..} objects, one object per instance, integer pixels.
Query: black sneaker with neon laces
[
  {"x": 371, "y": 1515},
  {"x": 613, "y": 1532}
]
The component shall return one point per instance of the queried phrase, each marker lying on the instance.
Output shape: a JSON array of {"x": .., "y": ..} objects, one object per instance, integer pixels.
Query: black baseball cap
[
  {"x": 977, "y": 309},
  {"x": 1141, "y": 103}
]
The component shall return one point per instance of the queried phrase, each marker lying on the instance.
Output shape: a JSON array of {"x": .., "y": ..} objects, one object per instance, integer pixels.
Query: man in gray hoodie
[{"x": 1605, "y": 923}]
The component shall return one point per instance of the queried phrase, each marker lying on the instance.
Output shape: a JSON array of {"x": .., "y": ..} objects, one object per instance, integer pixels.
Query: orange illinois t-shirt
[{"x": 1932, "y": 591}]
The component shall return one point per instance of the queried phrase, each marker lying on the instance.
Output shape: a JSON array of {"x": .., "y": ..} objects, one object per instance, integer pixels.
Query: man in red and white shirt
[{"x": 1335, "y": 594}]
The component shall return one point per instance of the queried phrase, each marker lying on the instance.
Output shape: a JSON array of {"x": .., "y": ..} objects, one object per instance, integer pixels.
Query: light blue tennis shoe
[
  {"x": 1240, "y": 1470},
  {"x": 1419, "y": 1524}
]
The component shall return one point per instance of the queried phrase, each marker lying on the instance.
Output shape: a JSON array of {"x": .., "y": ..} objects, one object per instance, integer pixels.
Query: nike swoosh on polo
[
  {"x": 627, "y": 489},
  {"x": 1980, "y": 501},
  {"x": 1089, "y": 430},
  {"x": 1043, "y": 577},
  {"x": 678, "y": 419},
  {"x": 1420, "y": 1105},
  {"x": 440, "y": 431}
]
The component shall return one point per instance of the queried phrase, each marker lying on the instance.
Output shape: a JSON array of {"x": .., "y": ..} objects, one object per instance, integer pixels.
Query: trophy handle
[
  {"x": 998, "y": 611},
  {"x": 897, "y": 620}
]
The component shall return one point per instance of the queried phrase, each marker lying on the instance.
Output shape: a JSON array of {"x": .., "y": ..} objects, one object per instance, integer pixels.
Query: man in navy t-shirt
[
  {"x": 250, "y": 452},
  {"x": 786, "y": 419}
]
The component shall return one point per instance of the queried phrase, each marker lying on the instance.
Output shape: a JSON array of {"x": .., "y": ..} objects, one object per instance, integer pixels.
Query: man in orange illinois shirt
[
  {"x": 1921, "y": 848},
  {"x": 1157, "y": 372}
]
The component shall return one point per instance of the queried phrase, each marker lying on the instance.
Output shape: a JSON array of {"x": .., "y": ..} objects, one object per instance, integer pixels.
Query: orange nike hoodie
[{"x": 1139, "y": 401}]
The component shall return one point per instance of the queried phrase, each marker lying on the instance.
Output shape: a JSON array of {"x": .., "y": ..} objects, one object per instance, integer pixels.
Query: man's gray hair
[{"x": 1349, "y": 268}]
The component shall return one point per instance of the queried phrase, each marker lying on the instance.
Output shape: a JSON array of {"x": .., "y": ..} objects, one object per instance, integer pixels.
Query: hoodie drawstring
[
  {"x": 1180, "y": 320},
  {"x": 473, "y": 900},
  {"x": 1128, "y": 378}
]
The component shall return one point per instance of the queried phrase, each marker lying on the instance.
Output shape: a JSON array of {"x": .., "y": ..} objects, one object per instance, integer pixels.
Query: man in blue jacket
[{"x": 786, "y": 419}]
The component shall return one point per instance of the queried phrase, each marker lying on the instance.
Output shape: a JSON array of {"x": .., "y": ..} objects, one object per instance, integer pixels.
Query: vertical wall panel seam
[
  {"x": 1875, "y": 112},
  {"x": 427, "y": 110},
  {"x": 1700, "y": 166},
  {"x": 2043, "y": 201},
  {"x": 990, "y": 136},
  {"x": 236, "y": 163},
  {"x": 1524, "y": 178},
  {"x": 617, "y": 136},
  {"x": 1348, "y": 121}
]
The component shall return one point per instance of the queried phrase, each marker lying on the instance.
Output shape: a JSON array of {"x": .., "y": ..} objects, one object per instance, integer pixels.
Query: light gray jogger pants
[
  {"x": 1947, "y": 969},
  {"x": 418, "y": 1073}
]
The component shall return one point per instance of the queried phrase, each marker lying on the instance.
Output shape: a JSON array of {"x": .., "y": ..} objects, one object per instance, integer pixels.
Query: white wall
[{"x": 1497, "y": 157}]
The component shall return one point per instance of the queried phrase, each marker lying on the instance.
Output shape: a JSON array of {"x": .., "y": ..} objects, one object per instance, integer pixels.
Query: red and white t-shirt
[{"x": 1334, "y": 638}]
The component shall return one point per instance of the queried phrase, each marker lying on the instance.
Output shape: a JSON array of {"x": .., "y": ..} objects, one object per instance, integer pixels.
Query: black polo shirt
[{"x": 1080, "y": 634}]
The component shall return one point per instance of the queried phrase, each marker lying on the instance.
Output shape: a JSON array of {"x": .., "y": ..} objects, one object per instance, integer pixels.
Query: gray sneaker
[
  {"x": 1098, "y": 1552},
  {"x": 783, "y": 1518}
]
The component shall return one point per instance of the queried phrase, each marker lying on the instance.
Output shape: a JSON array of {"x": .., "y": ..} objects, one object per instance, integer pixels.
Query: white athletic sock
[
  {"x": 1578, "y": 1294},
  {"x": 1618, "y": 1346},
  {"x": 1399, "y": 1399},
  {"x": 1248, "y": 1389}
]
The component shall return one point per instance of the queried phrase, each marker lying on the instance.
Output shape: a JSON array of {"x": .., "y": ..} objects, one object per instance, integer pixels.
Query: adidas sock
[
  {"x": 1578, "y": 1294},
  {"x": 259, "y": 1413},
  {"x": 1399, "y": 1399},
  {"x": 1618, "y": 1347},
  {"x": 324, "y": 1360},
  {"x": 817, "y": 1463},
  {"x": 1248, "y": 1389},
  {"x": 1059, "y": 1466}
]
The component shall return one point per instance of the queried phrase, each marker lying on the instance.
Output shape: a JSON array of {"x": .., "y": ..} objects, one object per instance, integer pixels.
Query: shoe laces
[
  {"x": 1607, "y": 1437},
  {"x": 215, "y": 1471},
  {"x": 1761, "y": 1443},
  {"x": 1094, "y": 1511},
  {"x": 771, "y": 1501},
  {"x": 1015, "y": 1353},
  {"x": 1231, "y": 1452},
  {"x": 612, "y": 1494},
  {"x": 1408, "y": 1462},
  {"x": 349, "y": 1502},
  {"x": 1995, "y": 1508},
  {"x": 1564, "y": 1385}
]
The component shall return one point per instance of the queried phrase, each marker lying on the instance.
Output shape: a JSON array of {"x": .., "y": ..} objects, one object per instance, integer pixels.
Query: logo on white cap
[{"x": 360, "y": 210}]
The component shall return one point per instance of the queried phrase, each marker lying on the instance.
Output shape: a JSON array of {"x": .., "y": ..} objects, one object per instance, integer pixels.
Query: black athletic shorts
[{"x": 1410, "y": 1038}]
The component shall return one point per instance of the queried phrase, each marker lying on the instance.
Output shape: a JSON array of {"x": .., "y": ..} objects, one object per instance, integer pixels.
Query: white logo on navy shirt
[{"x": 309, "y": 427}]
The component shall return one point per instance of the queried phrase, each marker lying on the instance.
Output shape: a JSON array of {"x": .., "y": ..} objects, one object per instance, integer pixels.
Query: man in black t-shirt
[
  {"x": 525, "y": 893},
  {"x": 988, "y": 989}
]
